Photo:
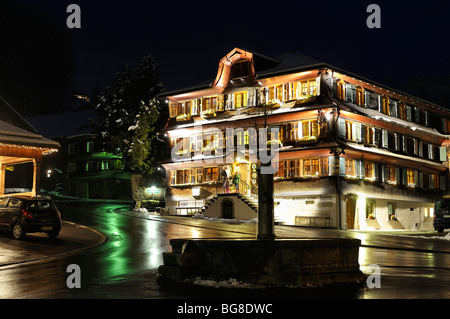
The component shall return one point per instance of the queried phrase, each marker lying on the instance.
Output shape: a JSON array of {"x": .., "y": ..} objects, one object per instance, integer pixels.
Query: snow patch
[
  {"x": 230, "y": 283},
  {"x": 229, "y": 221}
]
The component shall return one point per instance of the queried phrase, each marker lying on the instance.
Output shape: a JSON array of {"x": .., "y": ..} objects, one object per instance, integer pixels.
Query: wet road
[{"x": 125, "y": 266}]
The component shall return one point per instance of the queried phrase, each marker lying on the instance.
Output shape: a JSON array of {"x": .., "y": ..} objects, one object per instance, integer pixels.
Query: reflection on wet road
[{"x": 135, "y": 245}]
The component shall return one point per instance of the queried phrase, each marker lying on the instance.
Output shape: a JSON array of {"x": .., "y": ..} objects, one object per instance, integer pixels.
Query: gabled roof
[
  {"x": 10, "y": 134},
  {"x": 9, "y": 114}
]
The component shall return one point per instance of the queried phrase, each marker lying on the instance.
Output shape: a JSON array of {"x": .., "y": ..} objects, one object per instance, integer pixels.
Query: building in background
[
  {"x": 78, "y": 169},
  {"x": 353, "y": 154}
]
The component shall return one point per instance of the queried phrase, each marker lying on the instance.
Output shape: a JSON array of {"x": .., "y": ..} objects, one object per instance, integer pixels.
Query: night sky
[{"x": 188, "y": 38}]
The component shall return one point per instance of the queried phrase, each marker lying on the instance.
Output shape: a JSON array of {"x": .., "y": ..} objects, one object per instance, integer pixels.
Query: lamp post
[{"x": 265, "y": 230}]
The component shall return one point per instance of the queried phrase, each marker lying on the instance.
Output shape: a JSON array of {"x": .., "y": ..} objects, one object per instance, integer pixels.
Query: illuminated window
[
  {"x": 350, "y": 169},
  {"x": 240, "y": 99},
  {"x": 384, "y": 105},
  {"x": 369, "y": 171},
  {"x": 369, "y": 136},
  {"x": 392, "y": 211},
  {"x": 210, "y": 174},
  {"x": 279, "y": 92},
  {"x": 183, "y": 176},
  {"x": 370, "y": 208},
  {"x": 359, "y": 96},
  {"x": 323, "y": 166},
  {"x": 410, "y": 177},
  {"x": 106, "y": 165},
  {"x": 173, "y": 109},
  {"x": 196, "y": 176},
  {"x": 340, "y": 86},
  {"x": 310, "y": 128},
  {"x": 391, "y": 176},
  {"x": 294, "y": 131},
  {"x": 310, "y": 167},
  {"x": 280, "y": 171}
]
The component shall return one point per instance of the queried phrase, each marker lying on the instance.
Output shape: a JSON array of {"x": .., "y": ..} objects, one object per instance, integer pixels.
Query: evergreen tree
[{"x": 130, "y": 114}]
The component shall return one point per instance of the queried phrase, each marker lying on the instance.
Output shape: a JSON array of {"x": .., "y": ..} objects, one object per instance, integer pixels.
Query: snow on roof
[{"x": 11, "y": 134}]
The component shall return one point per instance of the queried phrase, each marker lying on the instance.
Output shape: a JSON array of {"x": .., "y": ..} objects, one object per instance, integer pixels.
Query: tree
[{"x": 129, "y": 115}]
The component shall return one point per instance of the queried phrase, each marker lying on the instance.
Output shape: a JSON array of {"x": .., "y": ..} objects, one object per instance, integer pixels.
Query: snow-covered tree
[{"x": 129, "y": 115}]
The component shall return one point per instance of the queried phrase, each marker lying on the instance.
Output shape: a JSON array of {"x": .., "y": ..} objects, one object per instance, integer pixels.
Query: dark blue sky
[{"x": 187, "y": 38}]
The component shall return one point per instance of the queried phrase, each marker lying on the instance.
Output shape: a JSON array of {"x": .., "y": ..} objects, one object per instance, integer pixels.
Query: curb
[{"x": 63, "y": 254}]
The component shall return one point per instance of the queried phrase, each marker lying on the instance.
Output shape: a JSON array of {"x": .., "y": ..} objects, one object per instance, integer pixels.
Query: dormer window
[{"x": 240, "y": 69}]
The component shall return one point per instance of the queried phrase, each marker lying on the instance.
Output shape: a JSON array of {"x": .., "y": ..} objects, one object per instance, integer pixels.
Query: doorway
[
  {"x": 350, "y": 204},
  {"x": 227, "y": 209}
]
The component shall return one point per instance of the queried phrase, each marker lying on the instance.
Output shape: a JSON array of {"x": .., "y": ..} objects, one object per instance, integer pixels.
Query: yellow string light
[{"x": 45, "y": 151}]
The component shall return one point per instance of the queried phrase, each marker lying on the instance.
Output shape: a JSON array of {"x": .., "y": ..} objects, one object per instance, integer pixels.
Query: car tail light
[{"x": 27, "y": 214}]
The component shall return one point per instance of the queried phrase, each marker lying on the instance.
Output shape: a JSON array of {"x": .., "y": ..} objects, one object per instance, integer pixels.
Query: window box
[
  {"x": 183, "y": 117},
  {"x": 209, "y": 113}
]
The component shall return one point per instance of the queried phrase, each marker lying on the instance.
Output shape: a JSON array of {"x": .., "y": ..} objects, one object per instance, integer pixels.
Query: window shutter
[
  {"x": 341, "y": 128},
  {"x": 443, "y": 153},
  {"x": 356, "y": 128},
  {"x": 367, "y": 97},
  {"x": 416, "y": 115},
  {"x": 341, "y": 166},
  {"x": 427, "y": 118},
  {"x": 405, "y": 144},
  {"x": 300, "y": 130},
  {"x": 431, "y": 181},
  {"x": 376, "y": 172},
  {"x": 363, "y": 133},
  {"x": 333, "y": 87},
  {"x": 384, "y": 175},
  {"x": 420, "y": 179},
  {"x": 408, "y": 113},
  {"x": 350, "y": 93},
  {"x": 397, "y": 175},
  {"x": 251, "y": 97},
  {"x": 420, "y": 148},
  {"x": 416, "y": 178},
  {"x": 393, "y": 108},
  {"x": 430, "y": 151},
  {"x": 220, "y": 102},
  {"x": 332, "y": 171},
  {"x": 404, "y": 176},
  {"x": 443, "y": 183},
  {"x": 376, "y": 137},
  {"x": 384, "y": 138},
  {"x": 360, "y": 170}
]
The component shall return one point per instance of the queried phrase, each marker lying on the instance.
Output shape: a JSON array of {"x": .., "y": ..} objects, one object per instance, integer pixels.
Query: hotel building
[{"x": 351, "y": 153}]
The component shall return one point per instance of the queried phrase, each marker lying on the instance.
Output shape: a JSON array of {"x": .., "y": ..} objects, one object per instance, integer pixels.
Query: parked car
[
  {"x": 442, "y": 214},
  {"x": 21, "y": 215}
]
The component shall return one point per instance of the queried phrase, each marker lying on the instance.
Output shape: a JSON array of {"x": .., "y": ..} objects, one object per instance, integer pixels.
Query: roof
[
  {"x": 11, "y": 134},
  {"x": 289, "y": 62},
  {"x": 9, "y": 114}
]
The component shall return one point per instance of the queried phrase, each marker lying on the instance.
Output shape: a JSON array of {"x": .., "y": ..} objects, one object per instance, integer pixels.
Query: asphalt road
[{"x": 125, "y": 264}]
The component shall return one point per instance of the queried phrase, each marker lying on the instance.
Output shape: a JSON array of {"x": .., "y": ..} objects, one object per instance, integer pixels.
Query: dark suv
[
  {"x": 442, "y": 214},
  {"x": 21, "y": 215}
]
